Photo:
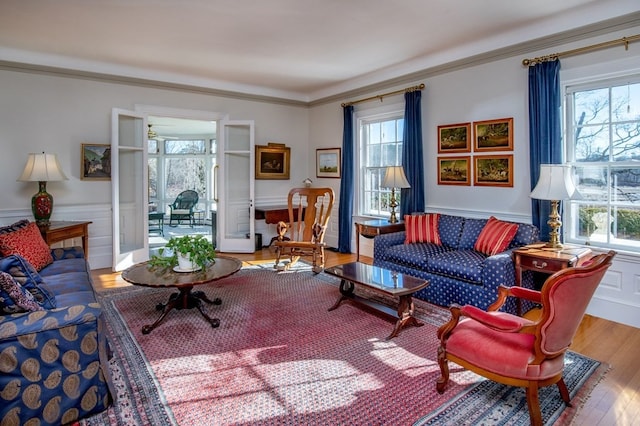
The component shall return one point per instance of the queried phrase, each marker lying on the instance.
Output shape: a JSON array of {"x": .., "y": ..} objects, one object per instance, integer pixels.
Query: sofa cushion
[
  {"x": 14, "y": 298},
  {"x": 422, "y": 228},
  {"x": 464, "y": 265},
  {"x": 28, "y": 278},
  {"x": 450, "y": 228},
  {"x": 495, "y": 236},
  {"x": 470, "y": 232},
  {"x": 413, "y": 255},
  {"x": 28, "y": 243}
]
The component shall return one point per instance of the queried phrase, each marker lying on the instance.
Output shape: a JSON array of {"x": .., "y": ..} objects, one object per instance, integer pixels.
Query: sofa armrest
[
  {"x": 499, "y": 269},
  {"x": 75, "y": 252},
  {"x": 34, "y": 322},
  {"x": 381, "y": 243}
]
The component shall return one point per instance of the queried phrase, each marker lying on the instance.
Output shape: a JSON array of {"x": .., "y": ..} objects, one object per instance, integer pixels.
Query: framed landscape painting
[
  {"x": 493, "y": 135},
  {"x": 454, "y": 138},
  {"x": 328, "y": 162},
  {"x": 454, "y": 170},
  {"x": 95, "y": 161},
  {"x": 493, "y": 170}
]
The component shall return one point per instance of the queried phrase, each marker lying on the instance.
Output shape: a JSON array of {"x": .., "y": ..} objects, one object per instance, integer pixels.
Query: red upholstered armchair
[{"x": 516, "y": 351}]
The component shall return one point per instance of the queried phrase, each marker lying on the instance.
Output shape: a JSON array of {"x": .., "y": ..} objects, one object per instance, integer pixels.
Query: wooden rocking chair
[{"x": 309, "y": 213}]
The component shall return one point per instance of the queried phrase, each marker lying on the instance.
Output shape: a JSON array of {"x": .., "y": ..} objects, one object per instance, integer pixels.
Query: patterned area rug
[{"x": 279, "y": 357}]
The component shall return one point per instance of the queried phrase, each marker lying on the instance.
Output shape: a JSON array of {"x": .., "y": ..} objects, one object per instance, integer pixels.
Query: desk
[
  {"x": 371, "y": 228},
  {"x": 274, "y": 214},
  {"x": 58, "y": 231}
]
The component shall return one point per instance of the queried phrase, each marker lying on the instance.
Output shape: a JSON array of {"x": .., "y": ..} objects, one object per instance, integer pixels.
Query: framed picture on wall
[
  {"x": 493, "y": 170},
  {"x": 273, "y": 161},
  {"x": 95, "y": 161},
  {"x": 328, "y": 162},
  {"x": 454, "y": 170},
  {"x": 493, "y": 135},
  {"x": 454, "y": 138}
]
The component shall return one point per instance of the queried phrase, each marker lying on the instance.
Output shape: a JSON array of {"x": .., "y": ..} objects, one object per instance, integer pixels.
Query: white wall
[
  {"x": 56, "y": 114},
  {"x": 489, "y": 91}
]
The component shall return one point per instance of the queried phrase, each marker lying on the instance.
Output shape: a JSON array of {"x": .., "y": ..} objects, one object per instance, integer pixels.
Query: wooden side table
[
  {"x": 371, "y": 228},
  {"x": 58, "y": 231},
  {"x": 534, "y": 257}
]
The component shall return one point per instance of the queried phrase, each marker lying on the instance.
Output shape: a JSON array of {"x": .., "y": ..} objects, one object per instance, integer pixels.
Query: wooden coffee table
[
  {"x": 146, "y": 275},
  {"x": 382, "y": 281}
]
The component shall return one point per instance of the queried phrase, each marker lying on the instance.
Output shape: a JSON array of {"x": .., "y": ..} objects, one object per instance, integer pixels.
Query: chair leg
[
  {"x": 533, "y": 402},
  {"x": 564, "y": 392},
  {"x": 441, "y": 384}
]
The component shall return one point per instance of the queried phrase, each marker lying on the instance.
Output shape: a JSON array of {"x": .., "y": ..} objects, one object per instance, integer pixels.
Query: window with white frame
[
  {"x": 603, "y": 124},
  {"x": 380, "y": 142},
  {"x": 178, "y": 165}
]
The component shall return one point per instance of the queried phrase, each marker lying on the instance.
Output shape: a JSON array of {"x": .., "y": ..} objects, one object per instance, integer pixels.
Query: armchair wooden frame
[
  {"x": 516, "y": 351},
  {"x": 309, "y": 213}
]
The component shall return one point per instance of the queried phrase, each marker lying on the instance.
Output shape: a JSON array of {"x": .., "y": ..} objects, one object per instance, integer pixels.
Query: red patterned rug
[{"x": 279, "y": 357}]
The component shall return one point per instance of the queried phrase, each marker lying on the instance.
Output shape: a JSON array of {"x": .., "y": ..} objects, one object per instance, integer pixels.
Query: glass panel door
[
  {"x": 129, "y": 178},
  {"x": 235, "y": 174}
]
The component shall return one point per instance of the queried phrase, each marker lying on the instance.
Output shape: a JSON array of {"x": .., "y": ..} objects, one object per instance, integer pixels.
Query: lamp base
[
  {"x": 42, "y": 205},
  {"x": 555, "y": 224},
  {"x": 393, "y": 204}
]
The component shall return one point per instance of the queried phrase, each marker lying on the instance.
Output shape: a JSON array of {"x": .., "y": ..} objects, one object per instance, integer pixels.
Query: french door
[
  {"x": 129, "y": 184},
  {"x": 234, "y": 187}
]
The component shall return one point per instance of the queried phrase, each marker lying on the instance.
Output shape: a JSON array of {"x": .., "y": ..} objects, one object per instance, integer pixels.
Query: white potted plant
[{"x": 189, "y": 253}]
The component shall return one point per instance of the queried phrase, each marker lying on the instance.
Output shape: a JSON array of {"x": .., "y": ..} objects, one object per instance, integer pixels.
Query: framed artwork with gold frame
[
  {"x": 493, "y": 135},
  {"x": 454, "y": 138},
  {"x": 273, "y": 161},
  {"x": 454, "y": 170},
  {"x": 493, "y": 170}
]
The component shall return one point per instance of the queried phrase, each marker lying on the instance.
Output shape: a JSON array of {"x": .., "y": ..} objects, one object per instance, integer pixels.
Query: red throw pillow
[
  {"x": 422, "y": 228},
  {"x": 28, "y": 243},
  {"x": 495, "y": 237}
]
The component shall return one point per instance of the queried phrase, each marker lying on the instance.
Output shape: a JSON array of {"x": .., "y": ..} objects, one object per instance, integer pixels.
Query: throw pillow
[
  {"x": 422, "y": 228},
  {"x": 495, "y": 237},
  {"x": 25, "y": 275},
  {"x": 14, "y": 226},
  {"x": 28, "y": 243},
  {"x": 14, "y": 298}
]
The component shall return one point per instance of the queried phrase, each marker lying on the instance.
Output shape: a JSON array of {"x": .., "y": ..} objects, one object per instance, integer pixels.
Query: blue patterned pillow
[
  {"x": 25, "y": 275},
  {"x": 14, "y": 298}
]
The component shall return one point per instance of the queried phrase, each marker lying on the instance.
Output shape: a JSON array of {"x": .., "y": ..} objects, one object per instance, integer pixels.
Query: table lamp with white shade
[
  {"x": 394, "y": 177},
  {"x": 554, "y": 184},
  {"x": 42, "y": 168}
]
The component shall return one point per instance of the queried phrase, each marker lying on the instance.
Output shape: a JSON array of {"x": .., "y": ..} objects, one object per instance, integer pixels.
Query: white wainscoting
[{"x": 100, "y": 229}]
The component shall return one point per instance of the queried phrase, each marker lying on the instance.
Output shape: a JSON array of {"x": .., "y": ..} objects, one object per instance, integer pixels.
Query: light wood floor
[{"x": 615, "y": 401}]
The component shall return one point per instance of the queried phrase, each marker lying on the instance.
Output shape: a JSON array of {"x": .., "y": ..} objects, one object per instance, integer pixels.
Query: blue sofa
[
  {"x": 54, "y": 362},
  {"x": 456, "y": 272}
]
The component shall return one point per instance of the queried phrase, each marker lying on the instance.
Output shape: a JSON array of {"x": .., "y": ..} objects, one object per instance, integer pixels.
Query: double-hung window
[
  {"x": 603, "y": 124},
  {"x": 380, "y": 143}
]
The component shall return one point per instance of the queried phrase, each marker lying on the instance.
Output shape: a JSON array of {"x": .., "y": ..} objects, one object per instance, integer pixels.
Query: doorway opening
[{"x": 182, "y": 156}]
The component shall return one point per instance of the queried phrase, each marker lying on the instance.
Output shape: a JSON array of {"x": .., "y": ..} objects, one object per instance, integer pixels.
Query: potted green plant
[{"x": 188, "y": 253}]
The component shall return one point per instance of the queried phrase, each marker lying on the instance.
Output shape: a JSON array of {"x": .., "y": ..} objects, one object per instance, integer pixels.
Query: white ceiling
[{"x": 294, "y": 49}]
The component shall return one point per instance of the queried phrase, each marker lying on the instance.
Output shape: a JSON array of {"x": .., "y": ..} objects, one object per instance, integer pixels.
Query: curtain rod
[
  {"x": 624, "y": 40},
  {"x": 405, "y": 90}
]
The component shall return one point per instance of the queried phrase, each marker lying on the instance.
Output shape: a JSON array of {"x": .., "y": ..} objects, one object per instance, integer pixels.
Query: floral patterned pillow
[{"x": 14, "y": 298}]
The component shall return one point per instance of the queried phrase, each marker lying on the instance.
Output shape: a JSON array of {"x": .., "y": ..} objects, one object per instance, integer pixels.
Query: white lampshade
[
  {"x": 394, "y": 177},
  {"x": 42, "y": 168},
  {"x": 555, "y": 183}
]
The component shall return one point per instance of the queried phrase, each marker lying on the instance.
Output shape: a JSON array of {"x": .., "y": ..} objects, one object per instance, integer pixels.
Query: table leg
[
  {"x": 346, "y": 292},
  {"x": 185, "y": 299},
  {"x": 405, "y": 316}
]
